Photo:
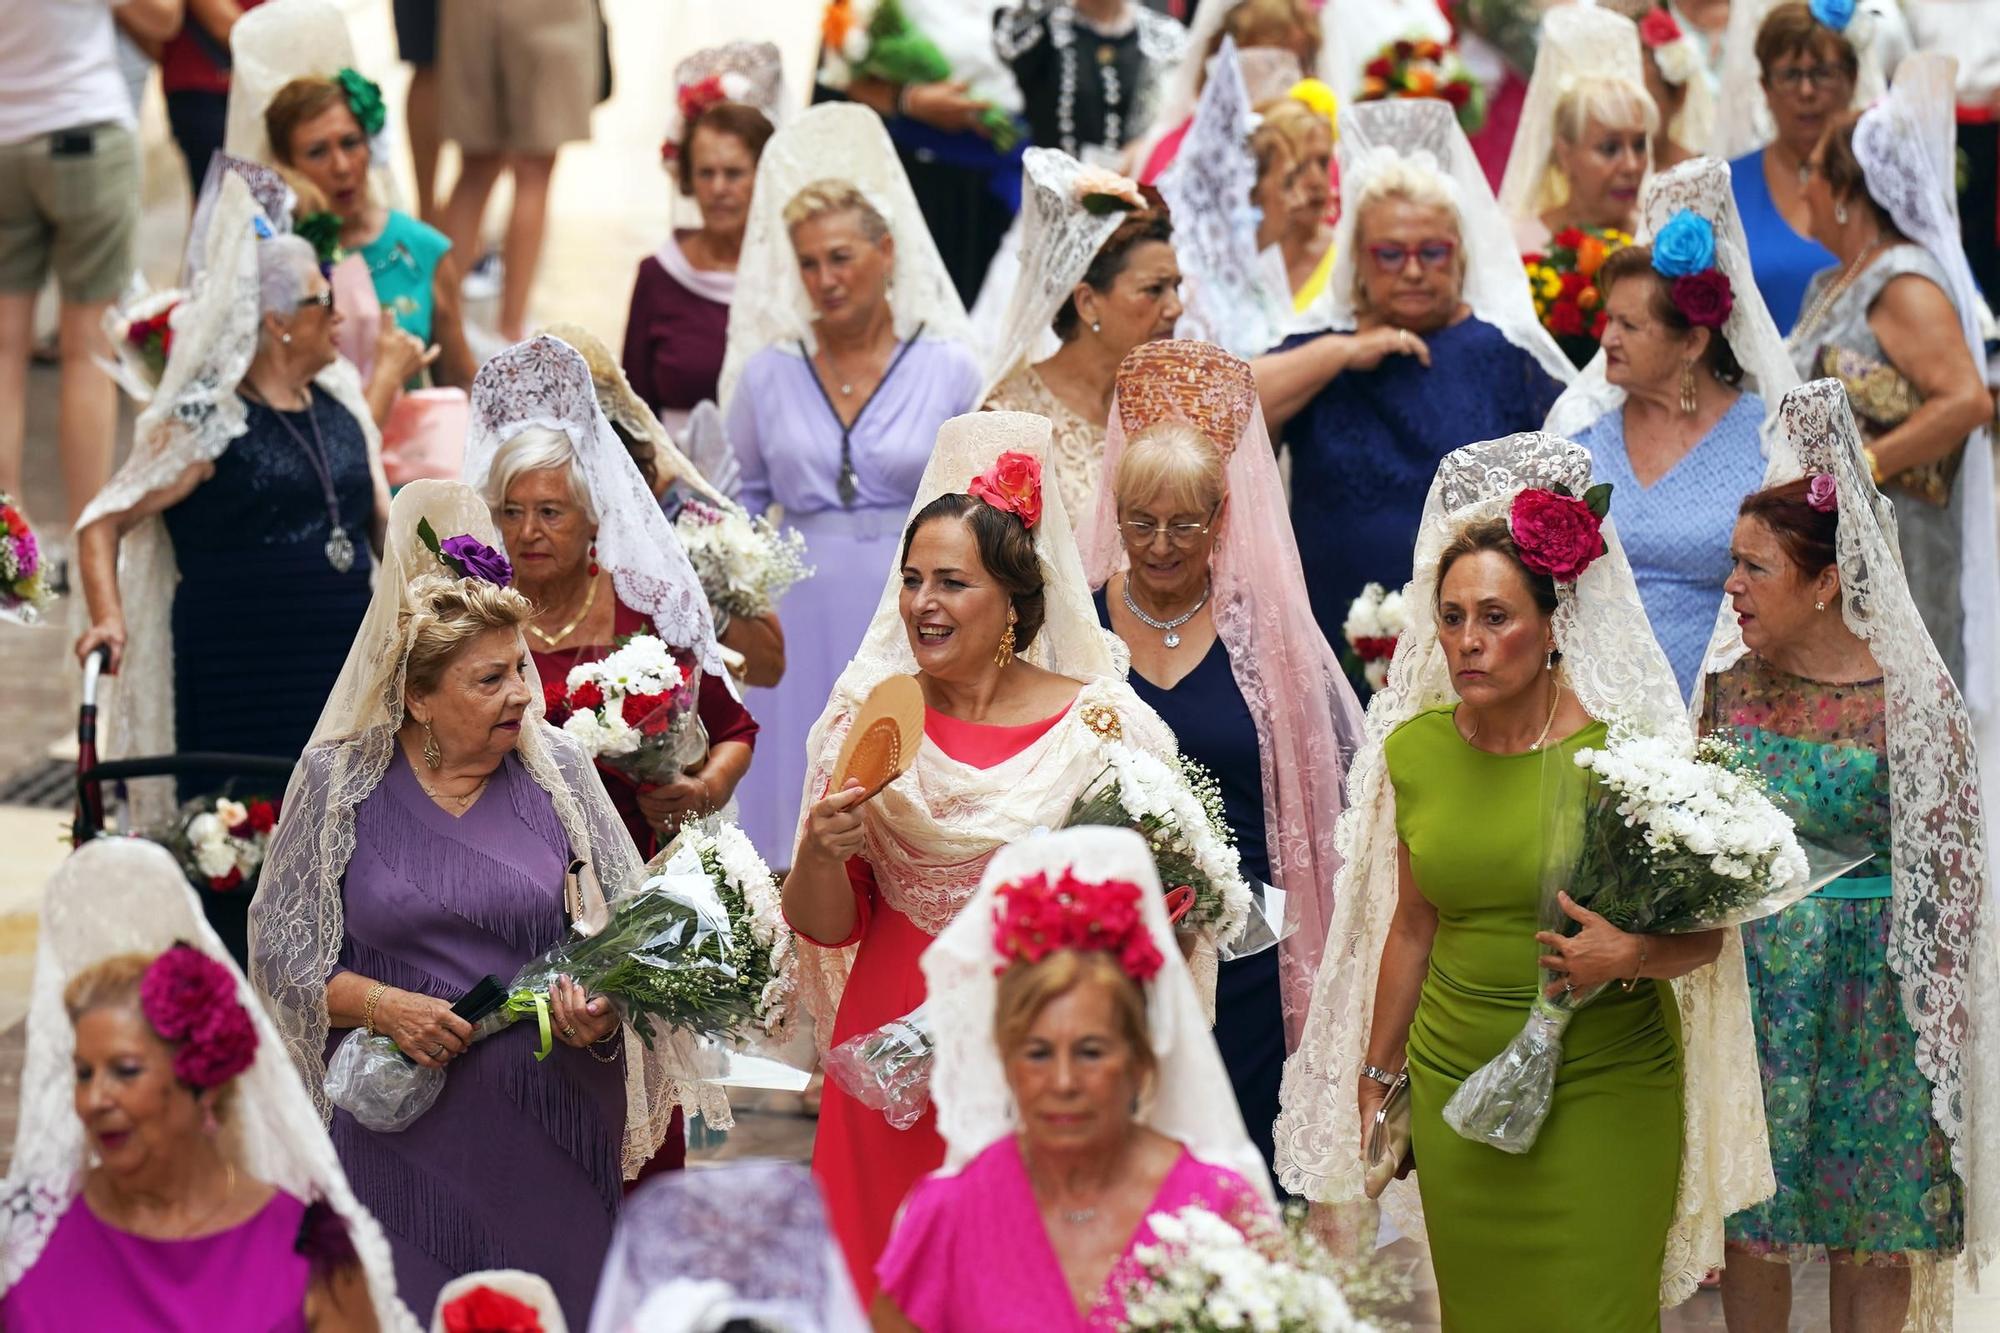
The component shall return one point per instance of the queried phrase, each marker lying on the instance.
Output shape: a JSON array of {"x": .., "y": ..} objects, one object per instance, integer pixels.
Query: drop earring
[
  {"x": 1005, "y": 653},
  {"x": 1688, "y": 402},
  {"x": 1840, "y": 215},
  {"x": 433, "y": 754},
  {"x": 593, "y": 559}
]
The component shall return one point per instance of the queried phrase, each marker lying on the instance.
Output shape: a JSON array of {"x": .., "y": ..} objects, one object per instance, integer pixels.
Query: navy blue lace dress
[{"x": 1365, "y": 448}]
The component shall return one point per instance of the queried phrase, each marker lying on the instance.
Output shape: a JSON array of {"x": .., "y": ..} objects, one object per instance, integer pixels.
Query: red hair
[{"x": 1808, "y": 535}]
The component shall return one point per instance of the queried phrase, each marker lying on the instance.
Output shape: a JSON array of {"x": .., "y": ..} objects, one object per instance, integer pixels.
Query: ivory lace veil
[{"x": 1578, "y": 41}]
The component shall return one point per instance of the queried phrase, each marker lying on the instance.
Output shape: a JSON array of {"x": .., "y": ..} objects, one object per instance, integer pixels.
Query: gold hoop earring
[
  {"x": 1688, "y": 403},
  {"x": 433, "y": 755}
]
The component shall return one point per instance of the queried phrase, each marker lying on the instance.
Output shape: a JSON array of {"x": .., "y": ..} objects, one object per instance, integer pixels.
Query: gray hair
[
  {"x": 284, "y": 266},
  {"x": 533, "y": 450}
]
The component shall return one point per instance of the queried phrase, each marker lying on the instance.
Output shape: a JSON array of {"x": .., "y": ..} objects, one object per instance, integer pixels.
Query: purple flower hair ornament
[{"x": 467, "y": 556}]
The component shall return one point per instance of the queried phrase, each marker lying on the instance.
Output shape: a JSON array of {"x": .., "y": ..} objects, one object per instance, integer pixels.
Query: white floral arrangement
[
  {"x": 745, "y": 564},
  {"x": 1376, "y": 620},
  {"x": 749, "y": 892},
  {"x": 1200, "y": 1274},
  {"x": 634, "y": 709},
  {"x": 221, "y": 843}
]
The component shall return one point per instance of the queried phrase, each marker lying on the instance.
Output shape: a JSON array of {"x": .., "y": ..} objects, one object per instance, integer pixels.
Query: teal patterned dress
[{"x": 1864, "y": 1173}]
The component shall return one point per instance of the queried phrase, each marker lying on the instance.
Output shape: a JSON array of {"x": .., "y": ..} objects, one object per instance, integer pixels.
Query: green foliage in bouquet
[{"x": 898, "y": 52}]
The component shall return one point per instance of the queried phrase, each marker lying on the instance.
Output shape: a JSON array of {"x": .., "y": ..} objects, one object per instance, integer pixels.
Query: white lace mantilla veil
[
  {"x": 1308, "y": 723},
  {"x": 1423, "y": 132},
  {"x": 269, "y": 47},
  {"x": 128, "y": 895},
  {"x": 1182, "y": 89},
  {"x": 1621, "y": 677},
  {"x": 193, "y": 417},
  {"x": 931, "y": 831},
  {"x": 1907, "y": 145},
  {"x": 1944, "y": 939},
  {"x": 623, "y": 408},
  {"x": 545, "y": 382},
  {"x": 1701, "y": 186},
  {"x": 1743, "y": 118},
  {"x": 297, "y": 920},
  {"x": 1207, "y": 189},
  {"x": 1190, "y": 1099},
  {"x": 1578, "y": 41},
  {"x": 1059, "y": 238},
  {"x": 842, "y": 141}
]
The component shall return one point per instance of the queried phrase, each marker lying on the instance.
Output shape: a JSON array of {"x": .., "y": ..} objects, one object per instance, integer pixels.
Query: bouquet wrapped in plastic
[
  {"x": 889, "y": 1068},
  {"x": 140, "y": 331},
  {"x": 1666, "y": 840},
  {"x": 745, "y": 564},
  {"x": 634, "y": 710},
  {"x": 24, "y": 593}
]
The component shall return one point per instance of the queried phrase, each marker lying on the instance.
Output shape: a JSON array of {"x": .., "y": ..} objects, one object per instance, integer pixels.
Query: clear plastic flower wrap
[
  {"x": 1659, "y": 839},
  {"x": 889, "y": 1068},
  {"x": 373, "y": 1081}
]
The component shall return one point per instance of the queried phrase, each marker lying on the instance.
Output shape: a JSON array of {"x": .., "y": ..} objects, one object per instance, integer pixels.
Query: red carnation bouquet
[
  {"x": 1421, "y": 67},
  {"x": 634, "y": 710},
  {"x": 221, "y": 843},
  {"x": 1563, "y": 281}
]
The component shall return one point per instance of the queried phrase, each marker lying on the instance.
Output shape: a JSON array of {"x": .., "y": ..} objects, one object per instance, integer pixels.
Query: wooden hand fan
[{"x": 882, "y": 743}]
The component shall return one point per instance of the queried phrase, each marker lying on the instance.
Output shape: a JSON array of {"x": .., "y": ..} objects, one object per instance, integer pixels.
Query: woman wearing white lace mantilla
[
  {"x": 1617, "y": 1208},
  {"x": 1100, "y": 279},
  {"x": 987, "y": 606},
  {"x": 1673, "y": 407},
  {"x": 846, "y": 353},
  {"x": 437, "y": 831},
  {"x": 168, "y": 1171},
  {"x": 1874, "y": 997}
]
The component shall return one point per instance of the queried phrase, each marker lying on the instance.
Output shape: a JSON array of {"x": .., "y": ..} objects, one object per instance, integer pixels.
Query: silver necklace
[
  {"x": 339, "y": 546},
  {"x": 1171, "y": 628},
  {"x": 1078, "y": 1217}
]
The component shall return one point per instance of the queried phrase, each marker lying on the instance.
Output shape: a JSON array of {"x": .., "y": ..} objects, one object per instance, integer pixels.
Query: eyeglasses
[
  {"x": 1795, "y": 78},
  {"x": 1393, "y": 258},
  {"x": 324, "y": 301},
  {"x": 1141, "y": 531}
]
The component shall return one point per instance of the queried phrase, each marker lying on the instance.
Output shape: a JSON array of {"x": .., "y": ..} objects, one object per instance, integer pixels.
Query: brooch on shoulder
[{"x": 1102, "y": 719}]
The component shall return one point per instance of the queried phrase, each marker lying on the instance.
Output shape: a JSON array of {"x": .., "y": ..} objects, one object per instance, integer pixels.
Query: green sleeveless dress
[{"x": 1570, "y": 1236}]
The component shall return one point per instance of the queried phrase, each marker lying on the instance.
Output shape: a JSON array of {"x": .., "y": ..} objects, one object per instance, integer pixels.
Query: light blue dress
[{"x": 1676, "y": 531}]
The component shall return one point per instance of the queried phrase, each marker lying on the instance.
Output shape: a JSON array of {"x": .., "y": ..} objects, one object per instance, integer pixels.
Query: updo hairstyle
[
  {"x": 824, "y": 197},
  {"x": 1810, "y": 538},
  {"x": 1290, "y": 25},
  {"x": 741, "y": 121},
  {"x": 1493, "y": 534},
  {"x": 115, "y": 983},
  {"x": 1284, "y": 132},
  {"x": 1140, "y": 226},
  {"x": 1006, "y": 549},
  {"x": 299, "y": 101},
  {"x": 445, "y": 614},
  {"x": 535, "y": 449},
  {"x": 1636, "y": 261},
  {"x": 1025, "y": 989},
  {"x": 1177, "y": 464}
]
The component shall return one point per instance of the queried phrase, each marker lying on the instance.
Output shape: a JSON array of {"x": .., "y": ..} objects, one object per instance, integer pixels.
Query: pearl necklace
[
  {"x": 1170, "y": 627},
  {"x": 1833, "y": 292}
]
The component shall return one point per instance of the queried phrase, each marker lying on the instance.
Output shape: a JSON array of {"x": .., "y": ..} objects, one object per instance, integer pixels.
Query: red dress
[{"x": 865, "y": 1166}]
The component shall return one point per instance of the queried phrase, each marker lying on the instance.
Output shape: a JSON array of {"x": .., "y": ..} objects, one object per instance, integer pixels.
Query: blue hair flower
[
  {"x": 1835, "y": 14},
  {"x": 257, "y": 221},
  {"x": 1685, "y": 246}
]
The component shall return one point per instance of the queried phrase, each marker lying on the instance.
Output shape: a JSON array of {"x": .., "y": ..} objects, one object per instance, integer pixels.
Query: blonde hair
[
  {"x": 445, "y": 614},
  {"x": 1614, "y": 102},
  {"x": 1175, "y": 463},
  {"x": 536, "y": 449},
  {"x": 823, "y": 197},
  {"x": 1025, "y": 989},
  {"x": 1287, "y": 127},
  {"x": 116, "y": 983}
]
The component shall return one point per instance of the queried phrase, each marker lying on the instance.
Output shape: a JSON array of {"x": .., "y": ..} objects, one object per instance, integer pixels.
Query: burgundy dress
[{"x": 676, "y": 331}]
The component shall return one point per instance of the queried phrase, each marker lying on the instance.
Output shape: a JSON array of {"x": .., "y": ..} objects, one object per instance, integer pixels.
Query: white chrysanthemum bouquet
[
  {"x": 634, "y": 710},
  {"x": 1201, "y": 1274},
  {"x": 1375, "y": 621},
  {"x": 745, "y": 564},
  {"x": 1667, "y": 840}
]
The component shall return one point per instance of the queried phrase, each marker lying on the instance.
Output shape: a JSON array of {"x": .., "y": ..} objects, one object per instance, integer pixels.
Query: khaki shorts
[
  {"x": 69, "y": 201},
  {"x": 516, "y": 76}
]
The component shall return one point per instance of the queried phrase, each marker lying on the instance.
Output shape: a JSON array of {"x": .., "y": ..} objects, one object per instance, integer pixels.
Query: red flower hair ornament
[
  {"x": 189, "y": 998},
  {"x": 1037, "y": 917},
  {"x": 1557, "y": 534},
  {"x": 1013, "y": 485},
  {"x": 487, "y": 1310}
]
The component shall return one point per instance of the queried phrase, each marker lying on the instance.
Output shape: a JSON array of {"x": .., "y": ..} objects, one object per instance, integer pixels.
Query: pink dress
[
  {"x": 865, "y": 1166},
  {"x": 92, "y": 1275},
  {"x": 970, "y": 1254}
]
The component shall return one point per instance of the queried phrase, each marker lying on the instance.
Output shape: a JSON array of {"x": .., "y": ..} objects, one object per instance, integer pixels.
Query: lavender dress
[
  {"x": 788, "y": 441},
  {"x": 517, "y": 1165}
]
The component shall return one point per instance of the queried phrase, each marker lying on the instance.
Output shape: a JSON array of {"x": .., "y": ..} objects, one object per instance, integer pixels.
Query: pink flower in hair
[
  {"x": 1012, "y": 484},
  {"x": 189, "y": 998},
  {"x": 1822, "y": 493}
]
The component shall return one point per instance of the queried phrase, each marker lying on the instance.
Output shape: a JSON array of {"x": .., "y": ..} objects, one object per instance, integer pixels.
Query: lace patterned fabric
[
  {"x": 1076, "y": 447},
  {"x": 1620, "y": 677},
  {"x": 1577, "y": 42}
]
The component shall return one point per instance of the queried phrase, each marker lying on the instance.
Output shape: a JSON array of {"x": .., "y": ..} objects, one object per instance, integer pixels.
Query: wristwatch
[{"x": 1382, "y": 1076}]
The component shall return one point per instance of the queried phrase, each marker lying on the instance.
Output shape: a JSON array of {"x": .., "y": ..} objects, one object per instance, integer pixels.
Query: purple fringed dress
[{"x": 518, "y": 1163}]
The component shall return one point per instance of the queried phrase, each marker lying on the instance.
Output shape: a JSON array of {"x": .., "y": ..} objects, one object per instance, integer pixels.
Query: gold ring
[{"x": 570, "y": 1031}]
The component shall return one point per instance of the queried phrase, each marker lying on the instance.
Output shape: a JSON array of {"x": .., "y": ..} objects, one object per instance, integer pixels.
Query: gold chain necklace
[
  {"x": 462, "y": 802},
  {"x": 1555, "y": 702},
  {"x": 589, "y": 600},
  {"x": 1834, "y": 291}
]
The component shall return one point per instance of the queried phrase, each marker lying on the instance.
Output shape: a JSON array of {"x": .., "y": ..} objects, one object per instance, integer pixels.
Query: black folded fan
[{"x": 485, "y": 996}]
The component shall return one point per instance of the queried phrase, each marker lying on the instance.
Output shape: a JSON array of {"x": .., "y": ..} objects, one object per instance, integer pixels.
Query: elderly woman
[
  {"x": 1102, "y": 282},
  {"x": 1897, "y": 323},
  {"x": 1434, "y": 343},
  {"x": 264, "y": 492},
  {"x": 1196, "y": 571},
  {"x": 316, "y": 129},
  {"x": 1501, "y": 675},
  {"x": 1293, "y": 146},
  {"x": 1826, "y": 680},
  {"x": 678, "y": 324},
  {"x": 845, "y": 356},
  {"x": 173, "y": 1172},
  {"x": 551, "y": 507},
  {"x": 1807, "y": 72},
  {"x": 1681, "y": 437},
  {"x": 1069, "y": 1166},
  {"x": 1021, "y": 694},
  {"x": 436, "y": 832},
  {"x": 1587, "y": 127}
]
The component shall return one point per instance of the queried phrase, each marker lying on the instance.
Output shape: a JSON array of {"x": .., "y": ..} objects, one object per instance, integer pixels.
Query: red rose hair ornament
[
  {"x": 1037, "y": 917},
  {"x": 1013, "y": 485},
  {"x": 1557, "y": 534}
]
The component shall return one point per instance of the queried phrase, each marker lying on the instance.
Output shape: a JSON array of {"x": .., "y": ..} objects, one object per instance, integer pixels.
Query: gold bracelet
[
  {"x": 375, "y": 994},
  {"x": 1637, "y": 972},
  {"x": 1874, "y": 465}
]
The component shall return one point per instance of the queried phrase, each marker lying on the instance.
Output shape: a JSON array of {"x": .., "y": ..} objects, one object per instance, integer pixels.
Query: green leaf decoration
[
  {"x": 322, "y": 231},
  {"x": 428, "y": 535},
  {"x": 1598, "y": 497},
  {"x": 1559, "y": 488},
  {"x": 1103, "y": 205}
]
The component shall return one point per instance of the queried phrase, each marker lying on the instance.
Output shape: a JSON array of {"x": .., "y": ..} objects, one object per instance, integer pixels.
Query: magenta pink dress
[
  {"x": 865, "y": 1165},
  {"x": 970, "y": 1254},
  {"x": 92, "y": 1275}
]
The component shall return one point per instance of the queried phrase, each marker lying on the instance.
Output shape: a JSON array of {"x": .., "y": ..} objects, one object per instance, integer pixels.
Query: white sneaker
[{"x": 482, "y": 281}]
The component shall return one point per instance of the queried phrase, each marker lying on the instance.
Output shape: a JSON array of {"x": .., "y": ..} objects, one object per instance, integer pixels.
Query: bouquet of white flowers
[
  {"x": 1375, "y": 621},
  {"x": 1667, "y": 840},
  {"x": 1202, "y": 1274},
  {"x": 745, "y": 564},
  {"x": 634, "y": 710},
  {"x": 220, "y": 843}
]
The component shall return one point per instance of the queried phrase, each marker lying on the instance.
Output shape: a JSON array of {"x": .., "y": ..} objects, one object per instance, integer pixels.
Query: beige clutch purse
[{"x": 1387, "y": 1152}]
